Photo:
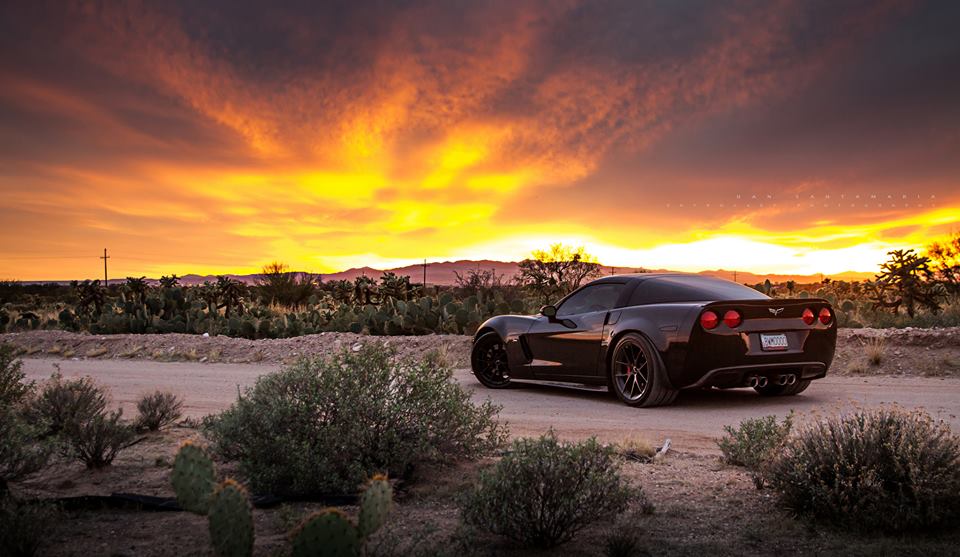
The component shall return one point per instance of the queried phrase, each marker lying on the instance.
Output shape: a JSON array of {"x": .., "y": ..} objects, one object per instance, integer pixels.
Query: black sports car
[{"x": 647, "y": 336}]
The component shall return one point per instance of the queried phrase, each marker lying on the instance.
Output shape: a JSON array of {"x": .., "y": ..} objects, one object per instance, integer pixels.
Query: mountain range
[{"x": 444, "y": 273}]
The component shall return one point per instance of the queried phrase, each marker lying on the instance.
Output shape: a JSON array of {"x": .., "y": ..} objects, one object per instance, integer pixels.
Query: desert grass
[
  {"x": 636, "y": 448},
  {"x": 875, "y": 351}
]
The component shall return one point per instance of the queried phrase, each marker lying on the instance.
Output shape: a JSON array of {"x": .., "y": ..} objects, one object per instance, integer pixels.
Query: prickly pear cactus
[
  {"x": 374, "y": 505},
  {"x": 327, "y": 533},
  {"x": 231, "y": 521},
  {"x": 193, "y": 478}
]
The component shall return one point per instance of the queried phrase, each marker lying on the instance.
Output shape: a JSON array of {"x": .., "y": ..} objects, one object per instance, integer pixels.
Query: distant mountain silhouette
[{"x": 443, "y": 273}]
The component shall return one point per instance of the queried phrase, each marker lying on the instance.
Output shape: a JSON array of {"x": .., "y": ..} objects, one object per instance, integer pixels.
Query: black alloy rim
[
  {"x": 630, "y": 371},
  {"x": 492, "y": 362}
]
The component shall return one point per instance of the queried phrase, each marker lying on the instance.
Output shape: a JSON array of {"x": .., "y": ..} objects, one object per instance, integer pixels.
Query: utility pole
[
  {"x": 734, "y": 276},
  {"x": 105, "y": 257},
  {"x": 424, "y": 273}
]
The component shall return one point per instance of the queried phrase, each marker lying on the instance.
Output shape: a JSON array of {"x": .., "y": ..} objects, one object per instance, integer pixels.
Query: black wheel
[
  {"x": 637, "y": 374},
  {"x": 489, "y": 361},
  {"x": 783, "y": 390}
]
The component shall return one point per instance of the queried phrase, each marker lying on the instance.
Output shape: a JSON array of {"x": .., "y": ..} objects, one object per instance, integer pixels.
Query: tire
[
  {"x": 783, "y": 390},
  {"x": 488, "y": 359},
  {"x": 632, "y": 355}
]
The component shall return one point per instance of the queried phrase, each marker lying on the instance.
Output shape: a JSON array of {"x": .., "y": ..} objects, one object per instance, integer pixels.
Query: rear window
[{"x": 691, "y": 289}]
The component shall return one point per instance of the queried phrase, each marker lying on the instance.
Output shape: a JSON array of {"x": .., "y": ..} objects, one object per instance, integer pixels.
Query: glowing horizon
[{"x": 689, "y": 137}]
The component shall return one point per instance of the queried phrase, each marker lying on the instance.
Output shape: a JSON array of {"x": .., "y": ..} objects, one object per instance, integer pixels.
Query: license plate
[{"x": 773, "y": 342}]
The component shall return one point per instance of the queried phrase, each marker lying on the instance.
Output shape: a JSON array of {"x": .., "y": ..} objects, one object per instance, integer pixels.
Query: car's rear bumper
[{"x": 739, "y": 376}]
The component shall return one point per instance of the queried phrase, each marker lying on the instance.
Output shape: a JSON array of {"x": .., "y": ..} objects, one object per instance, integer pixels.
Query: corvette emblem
[{"x": 776, "y": 311}]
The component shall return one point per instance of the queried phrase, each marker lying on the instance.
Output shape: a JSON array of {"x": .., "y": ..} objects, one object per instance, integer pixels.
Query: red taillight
[
  {"x": 732, "y": 318},
  {"x": 808, "y": 316},
  {"x": 825, "y": 316},
  {"x": 709, "y": 320}
]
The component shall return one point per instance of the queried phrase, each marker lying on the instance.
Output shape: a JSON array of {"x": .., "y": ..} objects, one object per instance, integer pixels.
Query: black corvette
[{"x": 647, "y": 336}]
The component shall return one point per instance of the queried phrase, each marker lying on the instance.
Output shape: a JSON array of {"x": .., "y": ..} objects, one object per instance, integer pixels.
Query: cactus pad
[
  {"x": 193, "y": 478},
  {"x": 375, "y": 505},
  {"x": 327, "y": 533},
  {"x": 231, "y": 521}
]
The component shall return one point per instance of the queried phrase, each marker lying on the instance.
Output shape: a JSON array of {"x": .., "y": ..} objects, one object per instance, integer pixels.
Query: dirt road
[{"x": 691, "y": 423}]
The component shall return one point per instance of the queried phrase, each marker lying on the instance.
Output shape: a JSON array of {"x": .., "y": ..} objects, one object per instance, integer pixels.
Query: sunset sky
[{"x": 211, "y": 137}]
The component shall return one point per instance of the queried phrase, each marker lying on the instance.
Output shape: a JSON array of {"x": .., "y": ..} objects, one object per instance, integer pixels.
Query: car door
[{"x": 568, "y": 345}]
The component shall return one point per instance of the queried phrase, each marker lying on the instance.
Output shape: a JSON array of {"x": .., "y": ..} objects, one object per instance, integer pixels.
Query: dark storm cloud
[{"x": 437, "y": 117}]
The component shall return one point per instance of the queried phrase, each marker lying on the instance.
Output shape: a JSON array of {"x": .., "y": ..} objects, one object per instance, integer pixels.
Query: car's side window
[{"x": 597, "y": 297}]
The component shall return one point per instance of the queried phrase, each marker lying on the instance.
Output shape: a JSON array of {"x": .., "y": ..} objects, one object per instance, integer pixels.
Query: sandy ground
[
  {"x": 919, "y": 352},
  {"x": 695, "y": 419}
]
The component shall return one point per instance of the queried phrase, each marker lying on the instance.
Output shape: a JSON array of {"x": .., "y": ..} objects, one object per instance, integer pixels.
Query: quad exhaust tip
[
  {"x": 757, "y": 381},
  {"x": 788, "y": 379}
]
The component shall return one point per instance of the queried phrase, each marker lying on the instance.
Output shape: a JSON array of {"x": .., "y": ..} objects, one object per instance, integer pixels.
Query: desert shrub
[
  {"x": 23, "y": 526},
  {"x": 543, "y": 492},
  {"x": 875, "y": 349},
  {"x": 754, "y": 442},
  {"x": 22, "y": 451},
  {"x": 622, "y": 542},
  {"x": 158, "y": 409},
  {"x": 13, "y": 388},
  {"x": 97, "y": 440},
  {"x": 886, "y": 470},
  {"x": 324, "y": 425},
  {"x": 62, "y": 403}
]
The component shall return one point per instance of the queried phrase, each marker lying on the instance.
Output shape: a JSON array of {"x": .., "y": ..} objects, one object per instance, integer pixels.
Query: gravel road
[{"x": 692, "y": 423}]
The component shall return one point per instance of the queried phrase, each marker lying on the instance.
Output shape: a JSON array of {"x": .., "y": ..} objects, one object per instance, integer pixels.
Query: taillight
[
  {"x": 808, "y": 316},
  {"x": 825, "y": 316},
  {"x": 732, "y": 318},
  {"x": 709, "y": 320}
]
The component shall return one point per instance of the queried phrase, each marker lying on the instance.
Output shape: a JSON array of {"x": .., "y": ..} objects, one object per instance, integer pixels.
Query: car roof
[{"x": 638, "y": 277}]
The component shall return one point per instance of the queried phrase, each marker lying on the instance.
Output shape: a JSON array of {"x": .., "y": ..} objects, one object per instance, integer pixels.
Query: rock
[
  {"x": 356, "y": 347},
  {"x": 206, "y": 335}
]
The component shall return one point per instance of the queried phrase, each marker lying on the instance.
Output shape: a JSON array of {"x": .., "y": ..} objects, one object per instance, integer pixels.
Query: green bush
[
  {"x": 97, "y": 440},
  {"x": 13, "y": 389},
  {"x": 75, "y": 412},
  {"x": 64, "y": 403},
  {"x": 23, "y": 526},
  {"x": 544, "y": 492},
  {"x": 22, "y": 451},
  {"x": 881, "y": 470},
  {"x": 158, "y": 410},
  {"x": 325, "y": 425},
  {"x": 754, "y": 443}
]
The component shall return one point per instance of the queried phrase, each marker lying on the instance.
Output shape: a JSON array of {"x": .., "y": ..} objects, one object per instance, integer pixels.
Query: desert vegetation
[
  {"x": 883, "y": 469},
  {"x": 544, "y": 491},
  {"x": 324, "y": 425},
  {"x": 314, "y": 430},
  {"x": 911, "y": 290}
]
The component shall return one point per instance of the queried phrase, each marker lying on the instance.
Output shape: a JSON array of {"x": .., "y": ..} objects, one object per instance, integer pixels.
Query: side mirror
[{"x": 548, "y": 311}]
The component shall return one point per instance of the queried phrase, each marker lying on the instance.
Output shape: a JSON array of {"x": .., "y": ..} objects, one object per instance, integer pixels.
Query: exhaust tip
[
  {"x": 753, "y": 381},
  {"x": 761, "y": 382},
  {"x": 791, "y": 379}
]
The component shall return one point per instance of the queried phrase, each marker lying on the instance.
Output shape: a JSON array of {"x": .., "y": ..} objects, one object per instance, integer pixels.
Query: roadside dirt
[
  {"x": 701, "y": 507},
  {"x": 910, "y": 351}
]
